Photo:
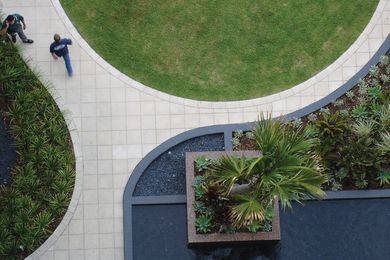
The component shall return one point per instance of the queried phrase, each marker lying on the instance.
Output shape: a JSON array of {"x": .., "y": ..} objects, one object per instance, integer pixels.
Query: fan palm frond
[{"x": 247, "y": 210}]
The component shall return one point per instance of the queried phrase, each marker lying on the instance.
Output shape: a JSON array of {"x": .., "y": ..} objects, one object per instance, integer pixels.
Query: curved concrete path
[{"x": 115, "y": 121}]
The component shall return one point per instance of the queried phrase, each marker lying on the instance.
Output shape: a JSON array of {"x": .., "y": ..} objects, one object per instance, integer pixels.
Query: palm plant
[{"x": 287, "y": 168}]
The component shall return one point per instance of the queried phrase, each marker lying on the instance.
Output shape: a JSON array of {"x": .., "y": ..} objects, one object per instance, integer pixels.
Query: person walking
[
  {"x": 59, "y": 48},
  {"x": 15, "y": 24}
]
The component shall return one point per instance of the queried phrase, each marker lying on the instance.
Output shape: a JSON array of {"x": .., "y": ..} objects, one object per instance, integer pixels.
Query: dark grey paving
[
  {"x": 166, "y": 174},
  {"x": 7, "y": 154},
  {"x": 335, "y": 229}
]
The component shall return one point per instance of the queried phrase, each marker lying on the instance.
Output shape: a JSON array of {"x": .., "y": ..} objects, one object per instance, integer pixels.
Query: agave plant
[
  {"x": 202, "y": 163},
  {"x": 359, "y": 112},
  {"x": 385, "y": 116},
  {"x": 383, "y": 178},
  {"x": 375, "y": 92},
  {"x": 384, "y": 60},
  {"x": 287, "y": 168},
  {"x": 203, "y": 224},
  {"x": 363, "y": 128},
  {"x": 384, "y": 146},
  {"x": 374, "y": 70}
]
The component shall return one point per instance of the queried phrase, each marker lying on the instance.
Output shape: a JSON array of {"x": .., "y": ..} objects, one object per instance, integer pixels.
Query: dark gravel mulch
[
  {"x": 7, "y": 154},
  {"x": 166, "y": 174}
]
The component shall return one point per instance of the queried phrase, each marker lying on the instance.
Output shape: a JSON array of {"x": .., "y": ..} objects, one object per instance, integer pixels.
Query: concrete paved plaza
[{"x": 115, "y": 121}]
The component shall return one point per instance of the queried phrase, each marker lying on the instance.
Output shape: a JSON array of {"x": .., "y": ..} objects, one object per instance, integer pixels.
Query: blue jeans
[{"x": 68, "y": 65}]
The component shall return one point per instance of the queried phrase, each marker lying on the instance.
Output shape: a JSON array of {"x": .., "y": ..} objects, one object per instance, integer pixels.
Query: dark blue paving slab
[
  {"x": 7, "y": 154},
  {"x": 166, "y": 174},
  {"x": 332, "y": 229}
]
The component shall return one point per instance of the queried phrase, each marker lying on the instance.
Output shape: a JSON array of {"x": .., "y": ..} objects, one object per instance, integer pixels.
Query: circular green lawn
[{"x": 220, "y": 49}]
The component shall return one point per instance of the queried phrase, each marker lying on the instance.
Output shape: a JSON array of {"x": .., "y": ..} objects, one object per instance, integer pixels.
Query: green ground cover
[
  {"x": 35, "y": 201},
  {"x": 352, "y": 132},
  {"x": 220, "y": 50}
]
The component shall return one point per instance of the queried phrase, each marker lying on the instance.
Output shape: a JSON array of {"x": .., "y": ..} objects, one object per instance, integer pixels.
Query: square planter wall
[{"x": 223, "y": 238}]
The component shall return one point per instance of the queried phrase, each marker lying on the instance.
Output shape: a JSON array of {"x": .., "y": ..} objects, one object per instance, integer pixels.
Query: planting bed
[
  {"x": 166, "y": 174},
  {"x": 38, "y": 194},
  {"x": 335, "y": 229},
  {"x": 215, "y": 237},
  {"x": 353, "y": 133},
  {"x": 355, "y": 227}
]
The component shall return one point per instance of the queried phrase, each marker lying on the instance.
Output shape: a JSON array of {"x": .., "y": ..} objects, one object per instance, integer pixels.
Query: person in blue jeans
[{"x": 59, "y": 48}]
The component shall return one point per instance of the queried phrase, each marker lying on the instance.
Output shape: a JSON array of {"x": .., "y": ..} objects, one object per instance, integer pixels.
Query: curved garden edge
[
  {"x": 76, "y": 144},
  {"x": 228, "y": 130},
  {"x": 225, "y": 104}
]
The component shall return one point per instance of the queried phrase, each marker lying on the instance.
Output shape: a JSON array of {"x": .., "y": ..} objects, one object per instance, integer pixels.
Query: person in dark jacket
[
  {"x": 59, "y": 48},
  {"x": 15, "y": 24}
]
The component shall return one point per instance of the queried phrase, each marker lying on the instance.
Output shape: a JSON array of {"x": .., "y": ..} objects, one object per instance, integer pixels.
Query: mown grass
[
  {"x": 43, "y": 179},
  {"x": 220, "y": 50}
]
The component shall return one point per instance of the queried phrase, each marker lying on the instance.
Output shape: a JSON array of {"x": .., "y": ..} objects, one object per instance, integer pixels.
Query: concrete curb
[
  {"x": 226, "y": 104},
  {"x": 227, "y": 130}
]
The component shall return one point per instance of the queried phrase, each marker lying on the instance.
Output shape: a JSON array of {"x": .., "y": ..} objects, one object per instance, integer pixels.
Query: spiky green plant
[
  {"x": 384, "y": 60},
  {"x": 374, "y": 82},
  {"x": 383, "y": 178},
  {"x": 248, "y": 209},
  {"x": 324, "y": 111},
  {"x": 44, "y": 175},
  {"x": 385, "y": 78},
  {"x": 376, "y": 110},
  {"x": 360, "y": 112},
  {"x": 200, "y": 186},
  {"x": 236, "y": 142},
  {"x": 203, "y": 224},
  {"x": 202, "y": 163},
  {"x": 344, "y": 113},
  {"x": 250, "y": 135},
  {"x": 335, "y": 185},
  {"x": 363, "y": 128},
  {"x": 375, "y": 92},
  {"x": 331, "y": 125},
  {"x": 201, "y": 208},
  {"x": 341, "y": 174},
  {"x": 297, "y": 122},
  {"x": 384, "y": 144},
  {"x": 361, "y": 183},
  {"x": 350, "y": 95},
  {"x": 374, "y": 71},
  {"x": 238, "y": 133},
  {"x": 338, "y": 103},
  {"x": 384, "y": 117},
  {"x": 362, "y": 88},
  {"x": 311, "y": 131},
  {"x": 254, "y": 226},
  {"x": 227, "y": 171},
  {"x": 287, "y": 168},
  {"x": 312, "y": 117}
]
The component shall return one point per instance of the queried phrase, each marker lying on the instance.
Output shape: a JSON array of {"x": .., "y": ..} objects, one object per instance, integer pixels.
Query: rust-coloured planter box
[{"x": 223, "y": 238}]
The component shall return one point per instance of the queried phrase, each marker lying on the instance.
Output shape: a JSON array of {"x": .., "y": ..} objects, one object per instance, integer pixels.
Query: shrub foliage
[{"x": 43, "y": 177}]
